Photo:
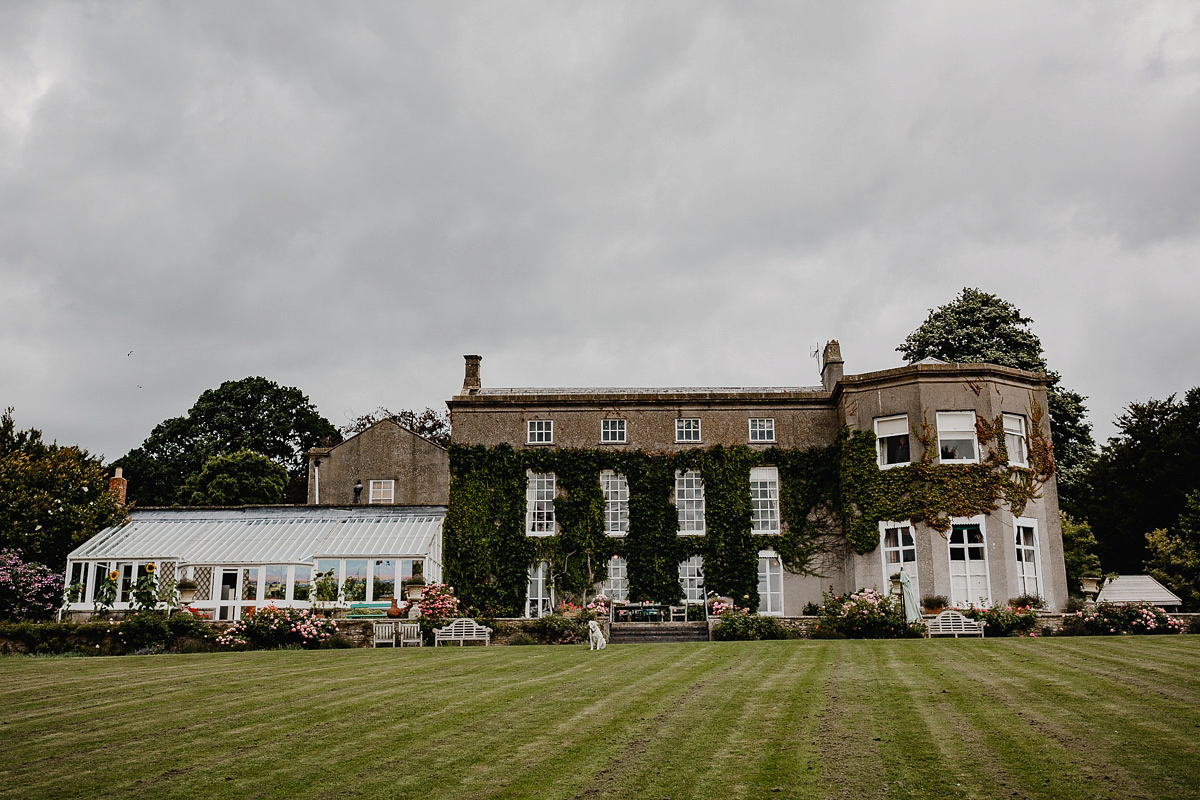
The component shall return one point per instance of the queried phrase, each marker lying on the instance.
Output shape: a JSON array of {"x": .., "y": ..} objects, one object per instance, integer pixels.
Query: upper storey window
[
  {"x": 956, "y": 437},
  {"x": 612, "y": 431},
  {"x": 764, "y": 500},
  {"x": 689, "y": 500},
  {"x": 891, "y": 439},
  {"x": 539, "y": 504},
  {"x": 762, "y": 430},
  {"x": 541, "y": 431},
  {"x": 687, "y": 430},
  {"x": 1015, "y": 441},
  {"x": 382, "y": 492}
]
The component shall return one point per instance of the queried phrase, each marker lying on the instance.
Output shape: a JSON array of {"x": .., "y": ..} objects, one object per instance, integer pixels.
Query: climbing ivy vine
[{"x": 829, "y": 497}]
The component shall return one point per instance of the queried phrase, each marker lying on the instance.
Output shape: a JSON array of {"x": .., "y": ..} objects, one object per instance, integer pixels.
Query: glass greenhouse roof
[{"x": 268, "y": 535}]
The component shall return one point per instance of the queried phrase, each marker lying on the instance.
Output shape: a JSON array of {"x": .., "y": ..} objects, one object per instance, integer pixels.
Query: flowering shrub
[
  {"x": 28, "y": 590},
  {"x": 599, "y": 606},
  {"x": 272, "y": 627},
  {"x": 739, "y": 626},
  {"x": 438, "y": 601},
  {"x": 865, "y": 614},
  {"x": 1004, "y": 620},
  {"x": 720, "y": 608},
  {"x": 1112, "y": 620}
]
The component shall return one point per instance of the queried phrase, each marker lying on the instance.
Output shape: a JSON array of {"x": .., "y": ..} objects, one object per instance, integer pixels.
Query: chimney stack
[
  {"x": 831, "y": 365},
  {"x": 117, "y": 486},
  {"x": 471, "y": 383}
]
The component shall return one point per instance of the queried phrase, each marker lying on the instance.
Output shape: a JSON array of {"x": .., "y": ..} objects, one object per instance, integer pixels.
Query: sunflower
[
  {"x": 112, "y": 576},
  {"x": 150, "y": 568}
]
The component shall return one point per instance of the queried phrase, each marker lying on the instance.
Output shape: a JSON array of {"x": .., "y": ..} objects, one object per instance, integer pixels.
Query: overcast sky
[{"x": 348, "y": 197}]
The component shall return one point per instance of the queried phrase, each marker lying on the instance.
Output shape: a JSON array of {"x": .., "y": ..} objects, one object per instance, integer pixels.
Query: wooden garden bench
[
  {"x": 462, "y": 631},
  {"x": 952, "y": 623}
]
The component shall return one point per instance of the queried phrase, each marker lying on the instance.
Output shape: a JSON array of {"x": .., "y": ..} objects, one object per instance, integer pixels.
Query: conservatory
[{"x": 244, "y": 558}]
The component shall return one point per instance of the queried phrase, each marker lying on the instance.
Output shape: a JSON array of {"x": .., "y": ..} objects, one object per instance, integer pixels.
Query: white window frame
[
  {"x": 612, "y": 431},
  {"x": 960, "y": 585},
  {"x": 616, "y": 581},
  {"x": 539, "y": 431},
  {"x": 764, "y": 500},
  {"x": 540, "y": 490},
  {"x": 616, "y": 502},
  {"x": 691, "y": 578},
  {"x": 770, "y": 584},
  {"x": 687, "y": 430},
  {"x": 1024, "y": 551},
  {"x": 1016, "y": 440},
  {"x": 886, "y": 428},
  {"x": 762, "y": 429},
  {"x": 381, "y": 492},
  {"x": 689, "y": 502},
  {"x": 539, "y": 594},
  {"x": 950, "y": 423},
  {"x": 892, "y": 555}
]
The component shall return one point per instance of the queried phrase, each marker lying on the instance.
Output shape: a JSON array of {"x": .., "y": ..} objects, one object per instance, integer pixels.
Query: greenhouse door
[{"x": 230, "y": 593}]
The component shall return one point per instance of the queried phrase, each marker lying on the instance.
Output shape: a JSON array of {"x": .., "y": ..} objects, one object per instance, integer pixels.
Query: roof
[
  {"x": 268, "y": 535},
  {"x": 684, "y": 390},
  {"x": 1136, "y": 589}
]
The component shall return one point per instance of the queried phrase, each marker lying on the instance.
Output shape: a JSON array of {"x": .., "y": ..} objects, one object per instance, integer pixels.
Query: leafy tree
[
  {"x": 251, "y": 414},
  {"x": 1175, "y": 555},
  {"x": 1143, "y": 476},
  {"x": 981, "y": 327},
  {"x": 1078, "y": 552},
  {"x": 235, "y": 479},
  {"x": 52, "y": 498},
  {"x": 432, "y": 425}
]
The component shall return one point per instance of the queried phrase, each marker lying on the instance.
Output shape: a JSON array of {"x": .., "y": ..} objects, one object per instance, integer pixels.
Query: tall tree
[
  {"x": 978, "y": 326},
  {"x": 236, "y": 479},
  {"x": 251, "y": 414},
  {"x": 1142, "y": 477},
  {"x": 1175, "y": 555},
  {"x": 52, "y": 498},
  {"x": 433, "y": 425}
]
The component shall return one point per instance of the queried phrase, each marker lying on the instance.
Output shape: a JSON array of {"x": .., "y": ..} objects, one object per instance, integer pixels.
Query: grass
[{"x": 1007, "y": 718}]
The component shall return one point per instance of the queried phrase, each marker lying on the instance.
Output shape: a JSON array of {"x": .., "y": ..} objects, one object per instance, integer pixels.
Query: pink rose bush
[
  {"x": 272, "y": 627},
  {"x": 438, "y": 601},
  {"x": 28, "y": 590},
  {"x": 1107, "y": 619},
  {"x": 865, "y": 614}
]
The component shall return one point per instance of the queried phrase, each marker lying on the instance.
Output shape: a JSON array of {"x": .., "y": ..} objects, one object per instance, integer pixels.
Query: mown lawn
[{"x": 1070, "y": 718}]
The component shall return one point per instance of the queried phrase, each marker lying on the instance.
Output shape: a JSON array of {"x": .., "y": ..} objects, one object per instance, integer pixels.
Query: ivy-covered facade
[{"x": 766, "y": 496}]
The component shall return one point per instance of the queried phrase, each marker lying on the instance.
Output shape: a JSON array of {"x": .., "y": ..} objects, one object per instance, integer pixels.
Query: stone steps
[{"x": 636, "y": 632}]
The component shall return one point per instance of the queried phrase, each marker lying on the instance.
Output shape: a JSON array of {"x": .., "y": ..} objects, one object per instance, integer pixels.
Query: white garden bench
[
  {"x": 952, "y": 623},
  {"x": 462, "y": 631}
]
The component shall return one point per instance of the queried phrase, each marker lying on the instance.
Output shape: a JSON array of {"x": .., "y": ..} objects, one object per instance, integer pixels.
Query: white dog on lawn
[{"x": 595, "y": 636}]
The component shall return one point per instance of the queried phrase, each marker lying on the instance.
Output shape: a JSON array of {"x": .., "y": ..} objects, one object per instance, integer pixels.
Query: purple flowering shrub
[
  {"x": 28, "y": 590},
  {"x": 272, "y": 627}
]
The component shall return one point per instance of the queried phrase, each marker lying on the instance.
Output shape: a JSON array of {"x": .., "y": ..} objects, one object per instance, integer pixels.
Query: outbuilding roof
[
  {"x": 1136, "y": 589},
  {"x": 269, "y": 535}
]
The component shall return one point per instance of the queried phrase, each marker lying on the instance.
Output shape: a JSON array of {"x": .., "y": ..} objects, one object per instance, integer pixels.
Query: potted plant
[
  {"x": 187, "y": 591},
  {"x": 414, "y": 587},
  {"x": 934, "y": 603}
]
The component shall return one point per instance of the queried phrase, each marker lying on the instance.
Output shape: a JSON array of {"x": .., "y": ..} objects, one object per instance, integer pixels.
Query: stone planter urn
[
  {"x": 1091, "y": 587},
  {"x": 186, "y": 595},
  {"x": 414, "y": 589}
]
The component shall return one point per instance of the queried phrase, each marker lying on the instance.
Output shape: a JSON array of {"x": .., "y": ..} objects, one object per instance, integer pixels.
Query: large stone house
[{"x": 941, "y": 470}]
